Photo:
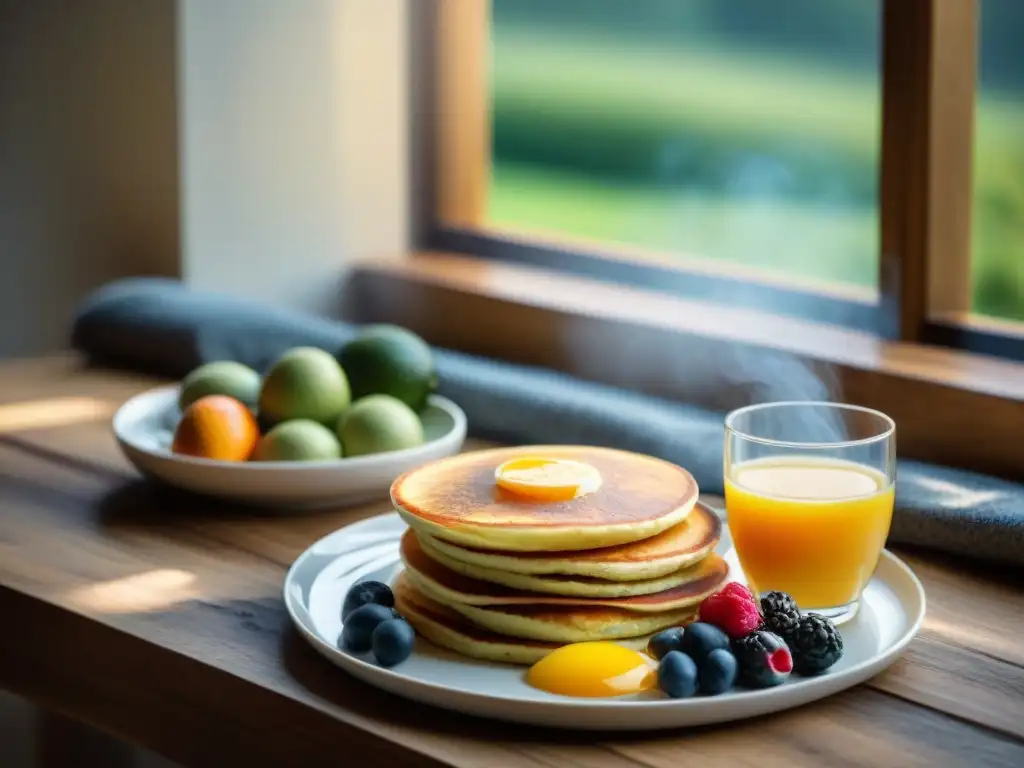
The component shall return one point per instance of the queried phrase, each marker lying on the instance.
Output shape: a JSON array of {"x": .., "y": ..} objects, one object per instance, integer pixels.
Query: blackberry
[
  {"x": 816, "y": 645},
  {"x": 764, "y": 659},
  {"x": 781, "y": 615}
]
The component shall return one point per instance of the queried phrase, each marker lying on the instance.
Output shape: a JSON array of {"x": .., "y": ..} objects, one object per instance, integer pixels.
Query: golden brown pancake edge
[
  {"x": 681, "y": 539},
  {"x": 713, "y": 571},
  {"x": 461, "y": 490}
]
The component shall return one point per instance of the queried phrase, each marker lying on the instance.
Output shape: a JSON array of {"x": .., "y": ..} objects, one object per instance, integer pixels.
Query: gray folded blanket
[{"x": 161, "y": 327}]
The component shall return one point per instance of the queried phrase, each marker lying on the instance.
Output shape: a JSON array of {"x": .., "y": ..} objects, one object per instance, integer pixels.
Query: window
[
  {"x": 997, "y": 260},
  {"x": 817, "y": 163},
  {"x": 711, "y": 128}
]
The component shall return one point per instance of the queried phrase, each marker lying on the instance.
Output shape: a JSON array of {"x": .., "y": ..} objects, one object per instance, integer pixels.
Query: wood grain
[
  {"x": 464, "y": 126},
  {"x": 929, "y": 72},
  {"x": 860, "y": 728},
  {"x": 157, "y": 616},
  {"x": 952, "y": 89}
]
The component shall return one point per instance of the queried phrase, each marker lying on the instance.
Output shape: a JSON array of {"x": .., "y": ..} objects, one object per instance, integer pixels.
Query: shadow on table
[{"x": 150, "y": 503}]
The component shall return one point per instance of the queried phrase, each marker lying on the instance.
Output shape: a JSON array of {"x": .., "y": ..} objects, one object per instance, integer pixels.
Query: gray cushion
[{"x": 160, "y": 327}]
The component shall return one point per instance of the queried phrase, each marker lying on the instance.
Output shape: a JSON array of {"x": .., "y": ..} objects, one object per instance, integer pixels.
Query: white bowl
[{"x": 144, "y": 427}]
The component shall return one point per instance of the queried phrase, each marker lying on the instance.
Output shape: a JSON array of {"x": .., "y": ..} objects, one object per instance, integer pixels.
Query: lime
[
  {"x": 298, "y": 440},
  {"x": 305, "y": 383},
  {"x": 221, "y": 378},
  {"x": 379, "y": 423},
  {"x": 386, "y": 359}
]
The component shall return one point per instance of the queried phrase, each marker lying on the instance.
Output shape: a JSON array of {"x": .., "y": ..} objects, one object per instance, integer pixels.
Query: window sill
[{"x": 951, "y": 407}]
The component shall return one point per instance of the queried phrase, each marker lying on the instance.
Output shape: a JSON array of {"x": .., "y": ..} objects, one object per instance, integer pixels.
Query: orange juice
[{"x": 814, "y": 528}]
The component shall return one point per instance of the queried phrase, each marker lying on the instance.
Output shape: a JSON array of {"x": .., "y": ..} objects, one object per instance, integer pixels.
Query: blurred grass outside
[{"x": 741, "y": 157}]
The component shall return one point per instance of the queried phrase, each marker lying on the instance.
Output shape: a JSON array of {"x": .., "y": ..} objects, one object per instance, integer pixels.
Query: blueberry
[
  {"x": 359, "y": 625},
  {"x": 667, "y": 640},
  {"x": 392, "y": 642},
  {"x": 677, "y": 675},
  {"x": 700, "y": 639},
  {"x": 718, "y": 672},
  {"x": 364, "y": 593}
]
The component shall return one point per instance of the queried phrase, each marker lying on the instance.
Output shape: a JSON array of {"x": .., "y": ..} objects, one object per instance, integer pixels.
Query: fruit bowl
[{"x": 144, "y": 427}]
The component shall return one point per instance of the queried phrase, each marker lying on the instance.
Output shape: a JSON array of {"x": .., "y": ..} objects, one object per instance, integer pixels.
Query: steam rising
[
  {"x": 774, "y": 377},
  {"x": 721, "y": 376}
]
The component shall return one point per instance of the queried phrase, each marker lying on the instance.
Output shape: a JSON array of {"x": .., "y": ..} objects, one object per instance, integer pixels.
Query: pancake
[
  {"x": 573, "y": 623},
  {"x": 449, "y": 629},
  {"x": 560, "y": 584},
  {"x": 456, "y": 499},
  {"x": 456, "y": 590},
  {"x": 678, "y": 547}
]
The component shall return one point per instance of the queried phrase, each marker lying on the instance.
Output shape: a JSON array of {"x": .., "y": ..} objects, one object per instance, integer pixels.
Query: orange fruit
[{"x": 217, "y": 427}]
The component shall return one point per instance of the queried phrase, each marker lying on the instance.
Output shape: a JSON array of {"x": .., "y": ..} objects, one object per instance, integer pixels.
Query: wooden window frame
[
  {"x": 623, "y": 319},
  {"x": 928, "y": 89}
]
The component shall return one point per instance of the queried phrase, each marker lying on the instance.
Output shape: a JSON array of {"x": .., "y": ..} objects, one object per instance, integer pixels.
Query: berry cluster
[
  {"x": 813, "y": 640},
  {"x": 372, "y": 623},
  {"x": 693, "y": 658},
  {"x": 740, "y": 639}
]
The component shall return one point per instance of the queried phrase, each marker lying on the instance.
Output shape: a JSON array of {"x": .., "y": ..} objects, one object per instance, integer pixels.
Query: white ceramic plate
[
  {"x": 891, "y": 612},
  {"x": 144, "y": 427}
]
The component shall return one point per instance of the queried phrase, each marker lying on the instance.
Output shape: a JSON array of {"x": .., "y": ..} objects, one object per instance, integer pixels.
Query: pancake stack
[{"x": 497, "y": 576}]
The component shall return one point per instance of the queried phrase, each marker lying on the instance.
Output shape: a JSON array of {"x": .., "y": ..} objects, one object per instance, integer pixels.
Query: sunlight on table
[
  {"x": 53, "y": 412},
  {"x": 138, "y": 593}
]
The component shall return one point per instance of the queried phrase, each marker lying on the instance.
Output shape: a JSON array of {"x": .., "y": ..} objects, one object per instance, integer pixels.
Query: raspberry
[
  {"x": 733, "y": 610},
  {"x": 738, "y": 590}
]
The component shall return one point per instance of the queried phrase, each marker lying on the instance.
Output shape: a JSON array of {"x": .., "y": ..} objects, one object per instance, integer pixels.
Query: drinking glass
[{"x": 809, "y": 493}]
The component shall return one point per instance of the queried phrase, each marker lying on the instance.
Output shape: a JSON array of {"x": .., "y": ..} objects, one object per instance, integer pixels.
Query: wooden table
[{"x": 158, "y": 617}]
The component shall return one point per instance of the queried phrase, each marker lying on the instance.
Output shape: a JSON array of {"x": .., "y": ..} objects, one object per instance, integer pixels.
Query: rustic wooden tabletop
[{"x": 157, "y": 616}]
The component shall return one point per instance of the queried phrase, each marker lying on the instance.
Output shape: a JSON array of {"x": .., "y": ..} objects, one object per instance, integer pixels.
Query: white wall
[
  {"x": 294, "y": 146},
  {"x": 88, "y": 157},
  {"x": 278, "y": 126}
]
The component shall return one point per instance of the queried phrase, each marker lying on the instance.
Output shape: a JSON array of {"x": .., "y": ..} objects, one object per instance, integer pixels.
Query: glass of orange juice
[{"x": 809, "y": 493}]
